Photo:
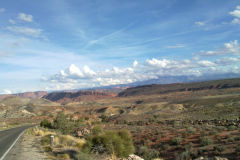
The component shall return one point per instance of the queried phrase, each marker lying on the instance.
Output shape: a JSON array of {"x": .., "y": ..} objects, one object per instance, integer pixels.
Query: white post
[{"x": 51, "y": 140}]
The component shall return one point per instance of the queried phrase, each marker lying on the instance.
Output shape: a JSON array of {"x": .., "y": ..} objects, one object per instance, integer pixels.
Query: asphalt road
[{"x": 8, "y": 137}]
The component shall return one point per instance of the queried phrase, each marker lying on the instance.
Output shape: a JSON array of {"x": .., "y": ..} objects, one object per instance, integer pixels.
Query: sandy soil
[{"x": 27, "y": 148}]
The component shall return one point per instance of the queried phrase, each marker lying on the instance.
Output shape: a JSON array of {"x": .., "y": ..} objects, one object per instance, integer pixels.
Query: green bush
[
  {"x": 237, "y": 150},
  {"x": 117, "y": 143},
  {"x": 97, "y": 130},
  {"x": 46, "y": 124},
  {"x": 147, "y": 153},
  {"x": 232, "y": 128},
  {"x": 62, "y": 124},
  {"x": 218, "y": 150},
  {"x": 82, "y": 156},
  {"x": 236, "y": 138},
  {"x": 204, "y": 141},
  {"x": 176, "y": 141}
]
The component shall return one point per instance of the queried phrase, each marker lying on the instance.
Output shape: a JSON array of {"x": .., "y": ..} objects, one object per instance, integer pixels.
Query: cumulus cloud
[
  {"x": 74, "y": 77},
  {"x": 25, "y": 17},
  {"x": 2, "y": 10},
  {"x": 34, "y": 32},
  {"x": 206, "y": 63},
  {"x": 135, "y": 63},
  {"x": 199, "y": 23},
  {"x": 236, "y": 21},
  {"x": 228, "y": 48},
  {"x": 236, "y": 14}
]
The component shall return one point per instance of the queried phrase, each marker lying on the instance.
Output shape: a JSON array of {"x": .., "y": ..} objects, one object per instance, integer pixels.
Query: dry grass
[{"x": 36, "y": 131}]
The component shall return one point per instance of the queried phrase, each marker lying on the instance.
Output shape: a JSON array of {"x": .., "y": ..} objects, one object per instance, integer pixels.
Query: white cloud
[
  {"x": 176, "y": 46},
  {"x": 206, "y": 63},
  {"x": 231, "y": 47},
  {"x": 199, "y": 23},
  {"x": 2, "y": 10},
  {"x": 34, "y": 32},
  {"x": 6, "y": 91},
  {"x": 74, "y": 76},
  {"x": 227, "y": 60},
  {"x": 236, "y": 21},
  {"x": 135, "y": 63},
  {"x": 236, "y": 12},
  {"x": 25, "y": 17},
  {"x": 11, "y": 21}
]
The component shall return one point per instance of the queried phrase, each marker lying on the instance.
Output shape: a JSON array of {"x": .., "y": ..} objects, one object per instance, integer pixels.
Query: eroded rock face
[{"x": 65, "y": 97}]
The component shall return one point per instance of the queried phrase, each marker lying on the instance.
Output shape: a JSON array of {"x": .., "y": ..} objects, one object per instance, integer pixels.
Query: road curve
[{"x": 8, "y": 138}]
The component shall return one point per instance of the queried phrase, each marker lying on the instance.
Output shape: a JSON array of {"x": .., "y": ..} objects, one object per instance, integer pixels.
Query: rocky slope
[
  {"x": 178, "y": 87},
  {"x": 65, "y": 97}
]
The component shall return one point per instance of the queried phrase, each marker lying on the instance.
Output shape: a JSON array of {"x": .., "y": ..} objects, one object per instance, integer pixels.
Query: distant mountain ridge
[
  {"x": 175, "y": 87},
  {"x": 65, "y": 97},
  {"x": 31, "y": 95}
]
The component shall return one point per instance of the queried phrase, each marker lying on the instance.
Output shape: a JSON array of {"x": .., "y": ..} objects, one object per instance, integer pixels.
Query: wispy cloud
[
  {"x": 34, "y": 32},
  {"x": 2, "y": 10},
  {"x": 176, "y": 46},
  {"x": 11, "y": 21}
]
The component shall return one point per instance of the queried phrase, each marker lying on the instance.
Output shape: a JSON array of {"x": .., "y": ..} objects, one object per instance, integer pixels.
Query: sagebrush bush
[
  {"x": 147, "y": 153},
  {"x": 204, "y": 141},
  {"x": 82, "y": 156},
  {"x": 176, "y": 141},
  {"x": 46, "y": 124},
  {"x": 97, "y": 130},
  {"x": 62, "y": 124},
  {"x": 117, "y": 143}
]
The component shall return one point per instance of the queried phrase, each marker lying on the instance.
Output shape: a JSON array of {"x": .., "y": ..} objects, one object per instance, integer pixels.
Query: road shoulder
[{"x": 27, "y": 147}]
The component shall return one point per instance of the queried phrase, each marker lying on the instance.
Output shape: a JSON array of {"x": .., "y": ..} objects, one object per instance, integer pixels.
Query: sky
[{"x": 69, "y": 44}]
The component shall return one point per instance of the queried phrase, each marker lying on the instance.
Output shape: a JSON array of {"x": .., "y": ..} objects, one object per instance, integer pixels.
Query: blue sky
[{"x": 60, "y": 44}]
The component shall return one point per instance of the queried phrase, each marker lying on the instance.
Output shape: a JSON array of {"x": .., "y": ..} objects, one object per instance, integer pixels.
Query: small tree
[
  {"x": 116, "y": 143},
  {"x": 61, "y": 123}
]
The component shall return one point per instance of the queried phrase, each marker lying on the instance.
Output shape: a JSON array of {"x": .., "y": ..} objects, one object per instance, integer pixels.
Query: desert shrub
[
  {"x": 147, "y": 153},
  {"x": 218, "y": 150},
  {"x": 97, "y": 130},
  {"x": 204, "y": 141},
  {"x": 231, "y": 128},
  {"x": 45, "y": 140},
  {"x": 176, "y": 141},
  {"x": 237, "y": 150},
  {"x": 236, "y": 138},
  {"x": 62, "y": 124},
  {"x": 63, "y": 156},
  {"x": 186, "y": 155},
  {"x": 48, "y": 149},
  {"x": 82, "y": 156},
  {"x": 112, "y": 142},
  {"x": 191, "y": 130},
  {"x": 46, "y": 124},
  {"x": 104, "y": 118}
]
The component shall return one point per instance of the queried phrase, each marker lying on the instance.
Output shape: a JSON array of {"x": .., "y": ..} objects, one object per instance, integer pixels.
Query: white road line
[{"x": 2, "y": 158}]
